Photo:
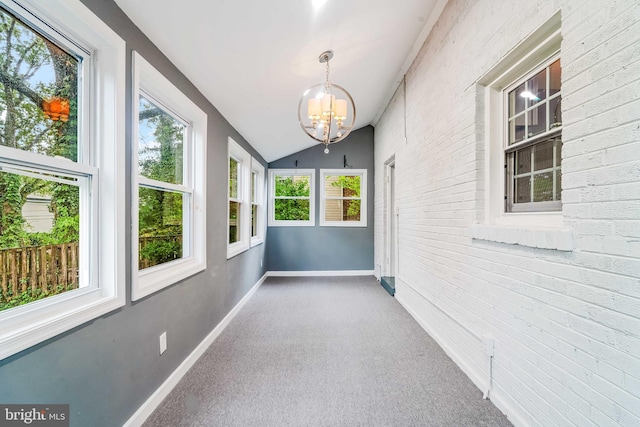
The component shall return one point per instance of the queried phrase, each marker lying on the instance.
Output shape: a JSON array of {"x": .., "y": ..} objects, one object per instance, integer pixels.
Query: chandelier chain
[{"x": 327, "y": 70}]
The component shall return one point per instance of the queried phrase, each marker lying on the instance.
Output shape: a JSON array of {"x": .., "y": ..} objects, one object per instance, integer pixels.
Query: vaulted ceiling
[{"x": 253, "y": 59}]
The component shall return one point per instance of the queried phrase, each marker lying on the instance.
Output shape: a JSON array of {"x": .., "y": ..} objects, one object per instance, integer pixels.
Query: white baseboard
[
  {"x": 320, "y": 273},
  {"x": 475, "y": 377},
  {"x": 150, "y": 405}
]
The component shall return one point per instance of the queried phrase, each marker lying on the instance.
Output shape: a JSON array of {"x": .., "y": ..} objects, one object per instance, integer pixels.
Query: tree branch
[
  {"x": 23, "y": 56},
  {"x": 8, "y": 47},
  {"x": 18, "y": 84},
  {"x": 150, "y": 113}
]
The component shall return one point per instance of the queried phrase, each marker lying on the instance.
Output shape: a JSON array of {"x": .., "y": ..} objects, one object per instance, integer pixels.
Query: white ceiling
[{"x": 253, "y": 59}]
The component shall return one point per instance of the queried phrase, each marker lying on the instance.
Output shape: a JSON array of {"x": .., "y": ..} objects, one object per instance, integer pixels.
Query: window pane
[
  {"x": 234, "y": 222},
  {"x": 555, "y": 112},
  {"x": 332, "y": 186},
  {"x": 342, "y": 210},
  {"x": 537, "y": 120},
  {"x": 233, "y": 178},
  {"x": 291, "y": 209},
  {"x": 38, "y": 94},
  {"x": 292, "y": 186},
  {"x": 554, "y": 78},
  {"x": 517, "y": 102},
  {"x": 160, "y": 144},
  {"x": 522, "y": 189},
  {"x": 333, "y": 210},
  {"x": 535, "y": 175},
  {"x": 254, "y": 220},
  {"x": 543, "y": 187},
  {"x": 558, "y": 184},
  {"x": 342, "y": 186},
  {"x": 351, "y": 210},
  {"x": 523, "y": 161},
  {"x": 160, "y": 227},
  {"x": 537, "y": 87},
  {"x": 543, "y": 156},
  {"x": 39, "y": 243},
  {"x": 254, "y": 177},
  {"x": 516, "y": 129}
]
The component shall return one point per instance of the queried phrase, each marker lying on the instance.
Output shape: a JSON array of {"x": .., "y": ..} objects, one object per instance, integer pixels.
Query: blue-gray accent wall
[
  {"x": 106, "y": 368},
  {"x": 326, "y": 248}
]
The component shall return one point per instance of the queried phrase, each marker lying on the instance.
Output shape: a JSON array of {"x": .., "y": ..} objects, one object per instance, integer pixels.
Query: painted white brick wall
[{"x": 566, "y": 325}]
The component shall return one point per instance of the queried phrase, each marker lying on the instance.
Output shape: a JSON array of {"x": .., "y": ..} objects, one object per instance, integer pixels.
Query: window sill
[
  {"x": 153, "y": 279},
  {"x": 343, "y": 224},
  {"x": 237, "y": 248},
  {"x": 555, "y": 238},
  {"x": 33, "y": 323},
  {"x": 255, "y": 241},
  {"x": 292, "y": 224}
]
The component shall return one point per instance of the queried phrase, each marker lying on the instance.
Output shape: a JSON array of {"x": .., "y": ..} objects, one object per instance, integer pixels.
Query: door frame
[{"x": 391, "y": 239}]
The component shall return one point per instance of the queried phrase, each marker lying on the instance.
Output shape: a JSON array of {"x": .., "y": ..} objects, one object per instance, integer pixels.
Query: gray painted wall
[
  {"x": 326, "y": 248},
  {"x": 107, "y": 368}
]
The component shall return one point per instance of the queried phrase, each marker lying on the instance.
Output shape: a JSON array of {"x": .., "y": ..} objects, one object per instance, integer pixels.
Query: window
[
  {"x": 235, "y": 203},
  {"x": 520, "y": 115},
  {"x": 61, "y": 264},
  {"x": 512, "y": 130},
  {"x": 239, "y": 215},
  {"x": 292, "y": 193},
  {"x": 257, "y": 203},
  {"x": 534, "y": 140},
  {"x": 168, "y": 209},
  {"x": 343, "y": 197}
]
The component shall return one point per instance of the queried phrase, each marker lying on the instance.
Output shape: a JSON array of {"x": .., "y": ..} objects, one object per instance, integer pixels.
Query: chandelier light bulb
[
  {"x": 341, "y": 109},
  {"x": 314, "y": 109},
  {"x": 328, "y": 103}
]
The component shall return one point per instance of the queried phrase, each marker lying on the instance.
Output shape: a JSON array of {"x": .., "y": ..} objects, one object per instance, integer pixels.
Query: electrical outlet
[{"x": 163, "y": 342}]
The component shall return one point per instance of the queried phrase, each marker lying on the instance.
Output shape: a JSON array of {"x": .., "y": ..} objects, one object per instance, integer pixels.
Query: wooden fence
[{"x": 46, "y": 268}]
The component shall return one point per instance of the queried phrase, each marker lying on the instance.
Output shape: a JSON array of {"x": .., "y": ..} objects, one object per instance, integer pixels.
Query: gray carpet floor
[{"x": 326, "y": 351}]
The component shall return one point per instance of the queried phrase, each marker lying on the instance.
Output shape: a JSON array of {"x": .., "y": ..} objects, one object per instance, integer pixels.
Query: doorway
[{"x": 388, "y": 279}]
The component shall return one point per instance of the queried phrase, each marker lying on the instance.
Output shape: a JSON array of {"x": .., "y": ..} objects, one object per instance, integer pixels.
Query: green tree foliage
[
  {"x": 160, "y": 212},
  {"x": 234, "y": 230},
  {"x": 8, "y": 300},
  {"x": 12, "y": 230},
  {"x": 160, "y": 251},
  {"x": 290, "y": 208},
  {"x": 32, "y": 71},
  {"x": 24, "y": 55},
  {"x": 350, "y": 185}
]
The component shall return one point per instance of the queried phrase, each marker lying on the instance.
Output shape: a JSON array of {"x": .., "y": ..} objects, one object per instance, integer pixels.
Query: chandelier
[{"x": 329, "y": 111}]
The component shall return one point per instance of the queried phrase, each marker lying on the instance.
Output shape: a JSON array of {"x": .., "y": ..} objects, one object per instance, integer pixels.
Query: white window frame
[
  {"x": 311, "y": 173},
  {"x": 100, "y": 168},
  {"x": 528, "y": 55},
  {"x": 243, "y": 158},
  {"x": 149, "y": 82},
  {"x": 549, "y": 206},
  {"x": 258, "y": 199},
  {"x": 534, "y": 229},
  {"x": 362, "y": 173}
]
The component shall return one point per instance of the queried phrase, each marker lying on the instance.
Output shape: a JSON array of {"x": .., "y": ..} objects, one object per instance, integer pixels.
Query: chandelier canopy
[{"x": 326, "y": 111}]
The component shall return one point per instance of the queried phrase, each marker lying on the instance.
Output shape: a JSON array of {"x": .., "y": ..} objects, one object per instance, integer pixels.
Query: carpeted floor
[{"x": 326, "y": 351}]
